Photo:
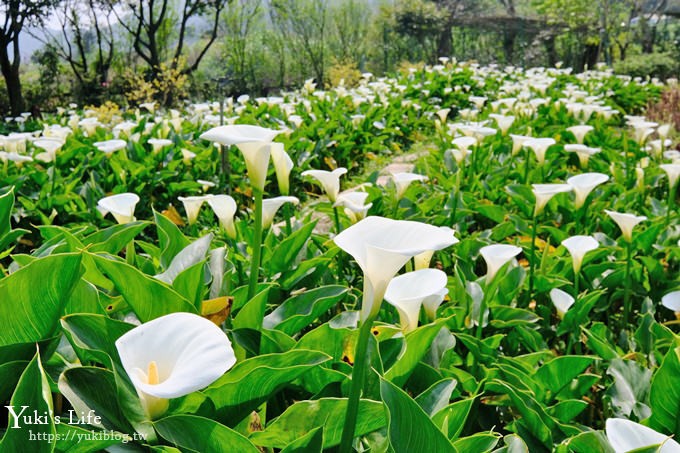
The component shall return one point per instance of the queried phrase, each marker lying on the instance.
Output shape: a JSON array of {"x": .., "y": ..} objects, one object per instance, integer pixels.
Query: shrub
[{"x": 661, "y": 65}]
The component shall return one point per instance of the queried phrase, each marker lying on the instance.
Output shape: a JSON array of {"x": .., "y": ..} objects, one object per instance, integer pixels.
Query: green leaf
[
  {"x": 590, "y": 442},
  {"x": 202, "y": 435},
  {"x": 451, "y": 419},
  {"x": 284, "y": 255},
  {"x": 329, "y": 413},
  {"x": 299, "y": 311},
  {"x": 74, "y": 439},
  {"x": 170, "y": 238},
  {"x": 566, "y": 411},
  {"x": 664, "y": 395},
  {"x": 93, "y": 336},
  {"x": 253, "y": 381},
  {"x": 559, "y": 372},
  {"x": 31, "y": 394},
  {"x": 10, "y": 373},
  {"x": 32, "y": 298},
  {"x": 437, "y": 396},
  {"x": 312, "y": 442},
  {"x": 191, "y": 284},
  {"x": 251, "y": 315},
  {"x": 409, "y": 427},
  {"x": 416, "y": 345},
  {"x": 630, "y": 391},
  {"x": 90, "y": 388},
  {"x": 148, "y": 297},
  {"x": 7, "y": 234},
  {"x": 114, "y": 238},
  {"x": 480, "y": 442}
]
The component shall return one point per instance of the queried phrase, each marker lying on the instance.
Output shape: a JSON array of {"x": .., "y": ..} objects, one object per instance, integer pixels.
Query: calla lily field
[{"x": 456, "y": 258}]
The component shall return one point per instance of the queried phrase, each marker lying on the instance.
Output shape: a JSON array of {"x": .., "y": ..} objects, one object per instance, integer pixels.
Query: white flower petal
[{"x": 624, "y": 436}]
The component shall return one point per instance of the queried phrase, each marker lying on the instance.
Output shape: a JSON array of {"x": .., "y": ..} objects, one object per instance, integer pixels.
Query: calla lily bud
[
  {"x": 283, "y": 164},
  {"x": 562, "y": 301}
]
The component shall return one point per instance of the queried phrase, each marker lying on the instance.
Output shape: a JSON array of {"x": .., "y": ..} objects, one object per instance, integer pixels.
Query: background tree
[{"x": 15, "y": 15}]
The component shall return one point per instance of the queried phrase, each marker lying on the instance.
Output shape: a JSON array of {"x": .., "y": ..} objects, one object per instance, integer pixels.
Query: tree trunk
[
  {"x": 444, "y": 45},
  {"x": 551, "y": 51},
  {"x": 10, "y": 72},
  {"x": 591, "y": 55},
  {"x": 509, "y": 37}
]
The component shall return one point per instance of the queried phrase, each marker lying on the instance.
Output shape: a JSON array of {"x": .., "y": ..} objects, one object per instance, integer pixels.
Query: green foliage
[{"x": 662, "y": 65}]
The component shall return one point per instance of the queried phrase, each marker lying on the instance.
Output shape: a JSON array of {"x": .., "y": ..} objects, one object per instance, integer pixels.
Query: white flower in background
[
  {"x": 442, "y": 114},
  {"x": 172, "y": 356},
  {"x": 187, "y": 156},
  {"x": 626, "y": 222},
  {"x": 518, "y": 142},
  {"x": 110, "y": 146},
  {"x": 673, "y": 172},
  {"x": 354, "y": 203},
  {"x": 580, "y": 132},
  {"x": 271, "y": 205},
  {"x": 672, "y": 302},
  {"x": 18, "y": 159},
  {"x": 578, "y": 246},
  {"x": 504, "y": 122},
  {"x": 205, "y": 185},
  {"x": 254, "y": 143},
  {"x": 496, "y": 256},
  {"x": 409, "y": 291},
  {"x": 159, "y": 143},
  {"x": 582, "y": 151},
  {"x": 539, "y": 146},
  {"x": 625, "y": 436},
  {"x": 657, "y": 146},
  {"x": 478, "y": 101},
  {"x": 121, "y": 206},
  {"x": 642, "y": 130},
  {"x": 283, "y": 164},
  {"x": 329, "y": 180},
  {"x": 89, "y": 125},
  {"x": 192, "y": 206},
  {"x": 463, "y": 144},
  {"x": 150, "y": 106},
  {"x": 403, "y": 180},
  {"x": 664, "y": 131},
  {"x": 583, "y": 184},
  {"x": 224, "y": 207},
  {"x": 544, "y": 192},
  {"x": 382, "y": 246},
  {"x": 50, "y": 147},
  {"x": 561, "y": 300}
]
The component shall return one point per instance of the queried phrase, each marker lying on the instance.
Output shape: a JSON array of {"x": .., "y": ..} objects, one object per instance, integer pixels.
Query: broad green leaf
[
  {"x": 7, "y": 234},
  {"x": 437, "y": 396},
  {"x": 299, "y": 311},
  {"x": 93, "y": 336},
  {"x": 90, "y": 388},
  {"x": 74, "y": 439},
  {"x": 629, "y": 393},
  {"x": 10, "y": 373},
  {"x": 148, "y": 297},
  {"x": 253, "y": 381},
  {"x": 566, "y": 411},
  {"x": 250, "y": 316},
  {"x": 312, "y": 442},
  {"x": 114, "y": 238},
  {"x": 170, "y": 238},
  {"x": 409, "y": 427},
  {"x": 191, "y": 284},
  {"x": 560, "y": 371},
  {"x": 451, "y": 419},
  {"x": 32, "y": 393},
  {"x": 202, "y": 435},
  {"x": 32, "y": 298},
  {"x": 329, "y": 413},
  {"x": 284, "y": 255},
  {"x": 480, "y": 442},
  {"x": 416, "y": 346},
  {"x": 665, "y": 395},
  {"x": 590, "y": 442}
]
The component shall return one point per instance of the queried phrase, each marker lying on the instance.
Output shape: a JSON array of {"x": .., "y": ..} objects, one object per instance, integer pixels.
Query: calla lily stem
[
  {"x": 336, "y": 218},
  {"x": 670, "y": 205},
  {"x": 626, "y": 291},
  {"x": 358, "y": 378},
  {"x": 532, "y": 257},
  {"x": 257, "y": 245}
]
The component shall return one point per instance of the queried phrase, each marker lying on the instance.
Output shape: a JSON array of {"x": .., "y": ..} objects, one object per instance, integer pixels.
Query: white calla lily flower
[
  {"x": 254, "y": 143},
  {"x": 583, "y": 152},
  {"x": 518, "y": 142},
  {"x": 422, "y": 260},
  {"x": 624, "y": 436},
  {"x": 355, "y": 205},
  {"x": 504, "y": 122},
  {"x": 121, "y": 206},
  {"x": 539, "y": 146},
  {"x": 330, "y": 180},
  {"x": 463, "y": 144},
  {"x": 544, "y": 192},
  {"x": 271, "y": 205},
  {"x": 110, "y": 146},
  {"x": 562, "y": 301},
  {"x": 496, "y": 255},
  {"x": 672, "y": 301},
  {"x": 224, "y": 207},
  {"x": 408, "y": 292},
  {"x": 172, "y": 356},
  {"x": 584, "y": 184},
  {"x": 578, "y": 246},
  {"x": 283, "y": 164},
  {"x": 626, "y": 222},
  {"x": 580, "y": 132},
  {"x": 403, "y": 180},
  {"x": 673, "y": 172},
  {"x": 382, "y": 246},
  {"x": 192, "y": 206},
  {"x": 159, "y": 143}
]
